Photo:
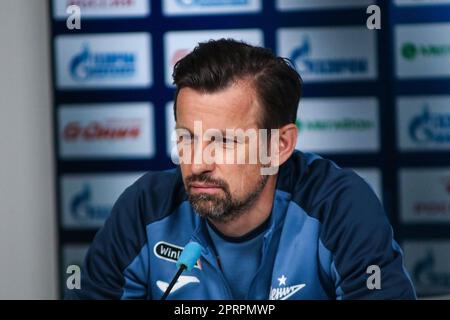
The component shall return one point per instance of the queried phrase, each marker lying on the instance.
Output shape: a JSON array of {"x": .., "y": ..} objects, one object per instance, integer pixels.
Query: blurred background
[{"x": 85, "y": 109}]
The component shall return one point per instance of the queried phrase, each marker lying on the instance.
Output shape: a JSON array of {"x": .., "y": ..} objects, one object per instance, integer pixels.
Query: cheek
[
  {"x": 241, "y": 178},
  {"x": 185, "y": 170}
]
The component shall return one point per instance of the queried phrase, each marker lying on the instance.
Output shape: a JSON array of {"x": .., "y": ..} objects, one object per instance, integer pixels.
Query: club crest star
[{"x": 282, "y": 280}]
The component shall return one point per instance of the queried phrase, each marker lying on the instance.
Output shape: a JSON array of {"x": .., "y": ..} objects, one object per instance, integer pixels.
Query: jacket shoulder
[{"x": 157, "y": 193}]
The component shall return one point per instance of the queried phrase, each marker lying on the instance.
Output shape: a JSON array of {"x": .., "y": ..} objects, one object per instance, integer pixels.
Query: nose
[
  {"x": 201, "y": 163},
  {"x": 201, "y": 168}
]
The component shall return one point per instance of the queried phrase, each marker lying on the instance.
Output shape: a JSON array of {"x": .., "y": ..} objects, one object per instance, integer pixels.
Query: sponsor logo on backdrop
[
  {"x": 81, "y": 207},
  {"x": 87, "y": 200},
  {"x": 422, "y": 50},
  {"x": 325, "y": 54},
  {"x": 88, "y": 65},
  {"x": 177, "y": 44},
  {"x": 420, "y": 2},
  {"x": 320, "y": 4},
  {"x": 191, "y": 7},
  {"x": 102, "y": 61},
  {"x": 425, "y": 195},
  {"x": 306, "y": 65},
  {"x": 412, "y": 51},
  {"x": 208, "y": 3},
  {"x": 428, "y": 265},
  {"x": 111, "y": 131},
  {"x": 430, "y": 127},
  {"x": 102, "y": 8},
  {"x": 338, "y": 125},
  {"x": 424, "y": 123},
  {"x": 424, "y": 273},
  {"x": 344, "y": 124},
  {"x": 433, "y": 208}
]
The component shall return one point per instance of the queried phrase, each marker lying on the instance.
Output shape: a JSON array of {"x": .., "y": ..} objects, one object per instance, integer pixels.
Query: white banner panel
[
  {"x": 178, "y": 44},
  {"x": 422, "y": 50},
  {"x": 338, "y": 125},
  {"x": 423, "y": 123},
  {"x": 102, "y": 9},
  {"x": 204, "y": 7},
  {"x": 106, "y": 131},
  {"x": 286, "y": 5},
  {"x": 420, "y": 2},
  {"x": 87, "y": 199},
  {"x": 425, "y": 195},
  {"x": 330, "y": 54},
  {"x": 428, "y": 263},
  {"x": 102, "y": 61}
]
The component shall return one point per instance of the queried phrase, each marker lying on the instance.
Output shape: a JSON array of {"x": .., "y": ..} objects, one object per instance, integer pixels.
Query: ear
[{"x": 287, "y": 141}]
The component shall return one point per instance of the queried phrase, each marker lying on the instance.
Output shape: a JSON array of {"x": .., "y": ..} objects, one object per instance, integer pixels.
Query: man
[{"x": 287, "y": 226}]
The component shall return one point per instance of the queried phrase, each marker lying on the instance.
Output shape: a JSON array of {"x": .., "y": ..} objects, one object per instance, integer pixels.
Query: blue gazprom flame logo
[
  {"x": 88, "y": 65},
  {"x": 211, "y": 3},
  {"x": 299, "y": 54},
  {"x": 82, "y": 208},
  {"x": 305, "y": 64},
  {"x": 425, "y": 275},
  {"x": 429, "y": 127}
]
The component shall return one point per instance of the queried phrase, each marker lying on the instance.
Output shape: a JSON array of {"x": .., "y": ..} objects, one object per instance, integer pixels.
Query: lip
[{"x": 204, "y": 187}]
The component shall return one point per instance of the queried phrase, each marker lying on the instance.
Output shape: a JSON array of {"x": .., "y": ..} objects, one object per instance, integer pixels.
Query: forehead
[{"x": 233, "y": 107}]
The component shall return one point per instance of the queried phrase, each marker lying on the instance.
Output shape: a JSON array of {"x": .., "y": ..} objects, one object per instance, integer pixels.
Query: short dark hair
[{"x": 215, "y": 64}]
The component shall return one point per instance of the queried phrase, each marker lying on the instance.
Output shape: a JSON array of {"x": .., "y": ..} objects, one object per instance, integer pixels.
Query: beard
[{"x": 222, "y": 207}]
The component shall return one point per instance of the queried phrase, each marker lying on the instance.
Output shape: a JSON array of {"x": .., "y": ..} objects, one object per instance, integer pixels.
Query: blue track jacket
[{"x": 326, "y": 232}]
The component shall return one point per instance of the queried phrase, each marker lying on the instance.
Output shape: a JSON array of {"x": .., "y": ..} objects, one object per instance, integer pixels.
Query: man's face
[{"x": 217, "y": 190}]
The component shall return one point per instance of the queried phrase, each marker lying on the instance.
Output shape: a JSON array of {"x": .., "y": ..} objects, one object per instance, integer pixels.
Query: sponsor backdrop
[{"x": 377, "y": 101}]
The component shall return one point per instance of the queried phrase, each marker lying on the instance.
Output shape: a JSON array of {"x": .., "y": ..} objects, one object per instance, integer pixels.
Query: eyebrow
[
  {"x": 181, "y": 127},
  {"x": 223, "y": 131}
]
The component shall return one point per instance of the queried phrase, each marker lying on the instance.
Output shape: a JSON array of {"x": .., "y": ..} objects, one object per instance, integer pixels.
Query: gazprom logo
[
  {"x": 425, "y": 275},
  {"x": 301, "y": 56},
  {"x": 90, "y": 65},
  {"x": 429, "y": 127},
  {"x": 82, "y": 208},
  {"x": 211, "y": 3}
]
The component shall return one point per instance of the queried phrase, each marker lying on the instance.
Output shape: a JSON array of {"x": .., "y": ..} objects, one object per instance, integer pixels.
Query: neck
[{"x": 254, "y": 216}]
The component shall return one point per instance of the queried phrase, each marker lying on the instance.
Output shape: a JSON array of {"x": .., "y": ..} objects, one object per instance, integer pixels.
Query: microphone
[{"x": 187, "y": 260}]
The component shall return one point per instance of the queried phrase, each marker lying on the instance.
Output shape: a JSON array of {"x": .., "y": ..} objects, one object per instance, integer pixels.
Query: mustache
[{"x": 205, "y": 178}]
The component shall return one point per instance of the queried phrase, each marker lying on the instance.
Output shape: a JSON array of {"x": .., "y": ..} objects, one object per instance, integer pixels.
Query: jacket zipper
[
  {"x": 263, "y": 257},
  {"x": 212, "y": 260}
]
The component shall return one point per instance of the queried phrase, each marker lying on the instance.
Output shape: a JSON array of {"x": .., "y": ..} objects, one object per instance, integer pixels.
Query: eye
[
  {"x": 184, "y": 138},
  {"x": 229, "y": 143}
]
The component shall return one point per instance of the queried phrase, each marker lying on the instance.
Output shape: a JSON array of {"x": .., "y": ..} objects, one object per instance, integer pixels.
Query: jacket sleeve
[
  {"x": 116, "y": 264},
  {"x": 367, "y": 262}
]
